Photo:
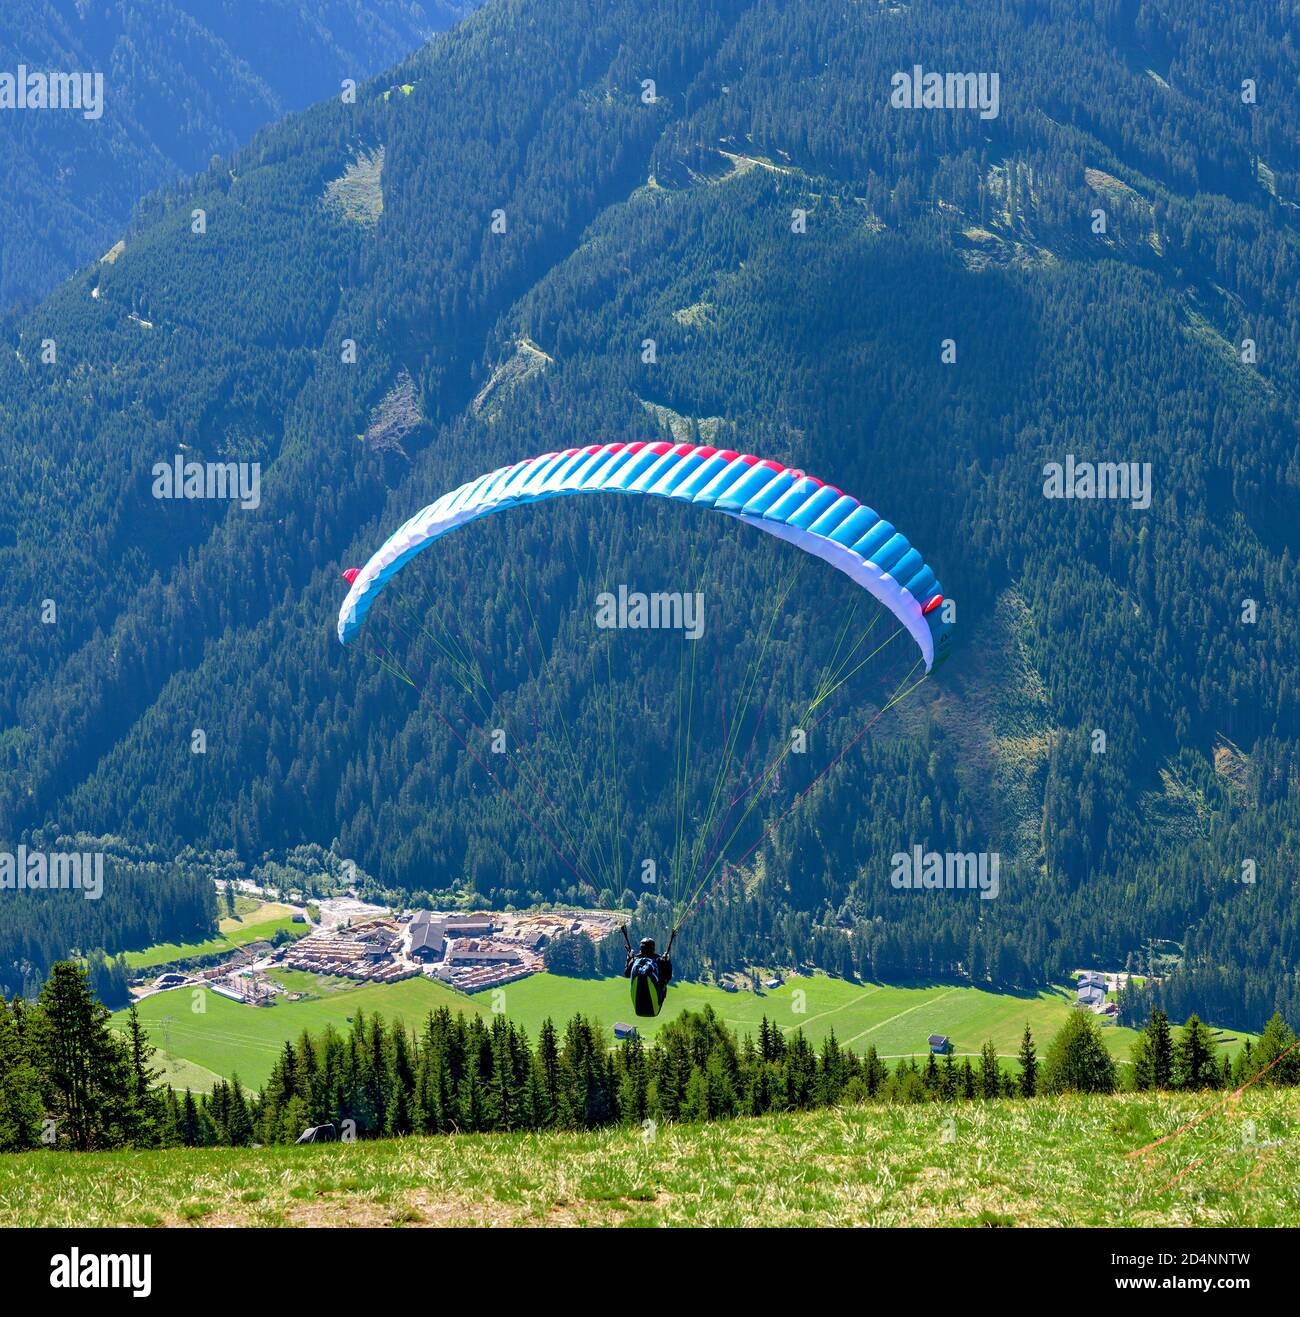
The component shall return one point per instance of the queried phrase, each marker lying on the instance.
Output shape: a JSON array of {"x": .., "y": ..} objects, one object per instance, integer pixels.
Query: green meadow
[
  {"x": 1075, "y": 1161},
  {"x": 228, "y": 1038},
  {"x": 211, "y": 1034},
  {"x": 259, "y": 923}
]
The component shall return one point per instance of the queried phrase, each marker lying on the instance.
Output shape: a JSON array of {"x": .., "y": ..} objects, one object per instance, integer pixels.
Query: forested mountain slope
[
  {"x": 498, "y": 246},
  {"x": 183, "y": 80}
]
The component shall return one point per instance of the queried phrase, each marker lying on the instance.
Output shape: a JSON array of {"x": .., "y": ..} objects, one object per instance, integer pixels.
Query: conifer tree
[
  {"x": 967, "y": 1079},
  {"x": 990, "y": 1072},
  {"x": 1077, "y": 1061},
  {"x": 875, "y": 1072},
  {"x": 1028, "y": 1057},
  {"x": 84, "y": 1064},
  {"x": 1194, "y": 1066},
  {"x": 21, "y": 1108},
  {"x": 146, "y": 1106},
  {"x": 239, "y": 1123},
  {"x": 189, "y": 1123},
  {"x": 1153, "y": 1054},
  {"x": 1275, "y": 1053}
]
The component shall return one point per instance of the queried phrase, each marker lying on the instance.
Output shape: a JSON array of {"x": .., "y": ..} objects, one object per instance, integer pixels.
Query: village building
[
  {"x": 476, "y": 927},
  {"x": 427, "y": 941},
  {"x": 467, "y": 951}
]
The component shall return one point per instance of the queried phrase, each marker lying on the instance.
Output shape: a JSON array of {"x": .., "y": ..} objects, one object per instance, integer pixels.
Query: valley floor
[
  {"x": 1006, "y": 1163},
  {"x": 228, "y": 1038}
]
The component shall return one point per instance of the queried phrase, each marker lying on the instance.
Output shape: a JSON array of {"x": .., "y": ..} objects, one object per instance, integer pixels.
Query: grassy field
[
  {"x": 898, "y": 1020},
  {"x": 227, "y": 1037},
  {"x": 314, "y": 985},
  {"x": 181, "y": 1074},
  {"x": 1008, "y": 1163},
  {"x": 259, "y": 923}
]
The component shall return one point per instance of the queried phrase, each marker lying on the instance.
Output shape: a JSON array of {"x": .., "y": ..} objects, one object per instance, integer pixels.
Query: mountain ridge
[
  {"x": 826, "y": 354},
  {"x": 71, "y": 188}
]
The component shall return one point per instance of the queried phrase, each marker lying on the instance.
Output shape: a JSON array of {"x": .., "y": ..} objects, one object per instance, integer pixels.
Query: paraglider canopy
[{"x": 787, "y": 503}]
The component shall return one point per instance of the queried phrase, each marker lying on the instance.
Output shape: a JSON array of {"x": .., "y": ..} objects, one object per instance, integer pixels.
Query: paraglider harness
[{"x": 649, "y": 974}]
